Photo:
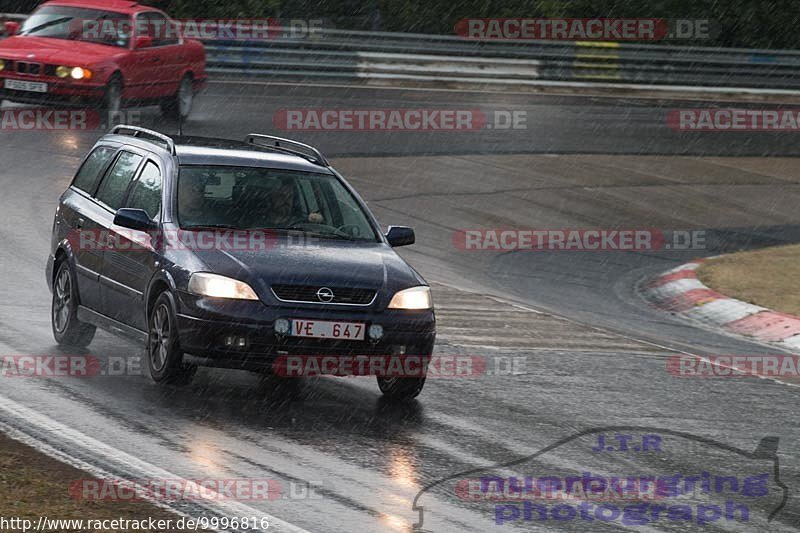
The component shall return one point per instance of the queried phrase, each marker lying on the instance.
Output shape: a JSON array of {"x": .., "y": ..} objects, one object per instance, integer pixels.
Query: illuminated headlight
[
  {"x": 62, "y": 71},
  {"x": 79, "y": 73},
  {"x": 215, "y": 286},
  {"x": 281, "y": 326},
  {"x": 2, "y": 65},
  {"x": 413, "y": 298}
]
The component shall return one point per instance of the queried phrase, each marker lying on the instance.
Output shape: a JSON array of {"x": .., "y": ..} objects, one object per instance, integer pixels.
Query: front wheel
[
  {"x": 180, "y": 105},
  {"x": 164, "y": 355},
  {"x": 112, "y": 100},
  {"x": 67, "y": 329},
  {"x": 400, "y": 389}
]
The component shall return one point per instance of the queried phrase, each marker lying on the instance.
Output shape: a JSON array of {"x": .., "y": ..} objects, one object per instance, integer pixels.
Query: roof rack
[
  {"x": 145, "y": 133},
  {"x": 289, "y": 146}
]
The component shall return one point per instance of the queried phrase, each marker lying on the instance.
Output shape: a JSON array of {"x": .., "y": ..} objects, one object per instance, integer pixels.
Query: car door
[
  {"x": 142, "y": 76},
  {"x": 157, "y": 63},
  {"x": 131, "y": 256},
  {"x": 79, "y": 217},
  {"x": 111, "y": 195}
]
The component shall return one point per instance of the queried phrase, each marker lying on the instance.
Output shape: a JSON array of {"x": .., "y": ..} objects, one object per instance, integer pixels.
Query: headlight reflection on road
[
  {"x": 205, "y": 455},
  {"x": 69, "y": 141},
  {"x": 401, "y": 468},
  {"x": 402, "y": 474},
  {"x": 395, "y": 522}
]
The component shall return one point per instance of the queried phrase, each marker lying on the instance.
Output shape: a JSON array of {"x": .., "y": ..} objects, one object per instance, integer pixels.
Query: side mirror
[
  {"x": 400, "y": 236},
  {"x": 143, "y": 41},
  {"x": 135, "y": 219},
  {"x": 11, "y": 28}
]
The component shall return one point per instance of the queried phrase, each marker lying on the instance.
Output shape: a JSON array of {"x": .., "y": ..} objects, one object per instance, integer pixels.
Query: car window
[
  {"x": 146, "y": 193},
  {"x": 90, "y": 171},
  {"x": 262, "y": 198},
  {"x": 76, "y": 23},
  {"x": 157, "y": 26},
  {"x": 114, "y": 186}
]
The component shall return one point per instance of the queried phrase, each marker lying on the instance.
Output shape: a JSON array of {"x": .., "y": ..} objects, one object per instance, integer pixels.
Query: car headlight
[
  {"x": 413, "y": 298},
  {"x": 216, "y": 286},
  {"x": 2, "y": 65},
  {"x": 62, "y": 71},
  {"x": 79, "y": 73}
]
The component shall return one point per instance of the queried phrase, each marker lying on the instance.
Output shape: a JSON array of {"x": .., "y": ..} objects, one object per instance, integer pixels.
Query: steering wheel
[{"x": 343, "y": 229}]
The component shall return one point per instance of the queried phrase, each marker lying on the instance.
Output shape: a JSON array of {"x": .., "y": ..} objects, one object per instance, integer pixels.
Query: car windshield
[
  {"x": 258, "y": 198},
  {"x": 79, "y": 24}
]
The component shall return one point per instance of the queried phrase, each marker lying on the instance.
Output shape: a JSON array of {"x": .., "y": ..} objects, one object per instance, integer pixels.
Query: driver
[
  {"x": 191, "y": 198},
  {"x": 282, "y": 204}
]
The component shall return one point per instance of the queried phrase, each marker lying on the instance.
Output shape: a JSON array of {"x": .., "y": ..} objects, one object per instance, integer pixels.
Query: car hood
[
  {"x": 55, "y": 51},
  {"x": 328, "y": 263}
]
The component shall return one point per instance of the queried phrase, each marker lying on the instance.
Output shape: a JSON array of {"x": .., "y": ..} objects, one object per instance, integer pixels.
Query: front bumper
[
  {"x": 210, "y": 331},
  {"x": 58, "y": 92}
]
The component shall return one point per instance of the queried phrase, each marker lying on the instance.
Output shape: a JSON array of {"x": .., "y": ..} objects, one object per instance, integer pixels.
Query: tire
[
  {"x": 67, "y": 329},
  {"x": 179, "y": 106},
  {"x": 112, "y": 100},
  {"x": 400, "y": 389},
  {"x": 164, "y": 355}
]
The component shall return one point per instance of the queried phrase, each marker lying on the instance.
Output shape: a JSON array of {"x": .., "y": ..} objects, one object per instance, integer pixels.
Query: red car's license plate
[{"x": 321, "y": 329}]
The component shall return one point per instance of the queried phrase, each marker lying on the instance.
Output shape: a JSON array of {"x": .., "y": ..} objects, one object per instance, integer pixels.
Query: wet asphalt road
[{"x": 603, "y": 365}]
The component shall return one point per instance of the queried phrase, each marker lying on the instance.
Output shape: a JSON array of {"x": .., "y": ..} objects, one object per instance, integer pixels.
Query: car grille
[
  {"x": 29, "y": 69},
  {"x": 308, "y": 293}
]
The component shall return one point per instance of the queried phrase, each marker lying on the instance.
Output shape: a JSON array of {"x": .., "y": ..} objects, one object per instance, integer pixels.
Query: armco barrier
[
  {"x": 343, "y": 54},
  {"x": 374, "y": 55}
]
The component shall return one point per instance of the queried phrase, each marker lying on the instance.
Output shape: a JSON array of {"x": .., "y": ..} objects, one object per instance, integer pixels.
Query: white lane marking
[
  {"x": 676, "y": 288},
  {"x": 723, "y": 311},
  {"x": 65, "y": 434},
  {"x": 686, "y": 266}
]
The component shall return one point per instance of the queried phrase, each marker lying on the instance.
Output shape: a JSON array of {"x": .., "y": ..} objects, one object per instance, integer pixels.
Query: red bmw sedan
[{"x": 107, "y": 53}]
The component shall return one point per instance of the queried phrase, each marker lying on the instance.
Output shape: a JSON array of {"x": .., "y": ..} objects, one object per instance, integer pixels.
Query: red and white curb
[{"x": 680, "y": 292}]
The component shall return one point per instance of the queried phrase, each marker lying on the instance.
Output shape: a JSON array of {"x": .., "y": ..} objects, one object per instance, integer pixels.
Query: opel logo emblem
[
  {"x": 31, "y": 56},
  {"x": 325, "y": 295}
]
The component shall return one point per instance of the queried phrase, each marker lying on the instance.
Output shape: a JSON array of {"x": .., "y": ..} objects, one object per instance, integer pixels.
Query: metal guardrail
[
  {"x": 394, "y": 56},
  {"x": 343, "y": 54}
]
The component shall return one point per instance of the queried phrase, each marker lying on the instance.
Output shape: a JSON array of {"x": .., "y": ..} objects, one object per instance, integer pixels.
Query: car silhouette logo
[{"x": 325, "y": 295}]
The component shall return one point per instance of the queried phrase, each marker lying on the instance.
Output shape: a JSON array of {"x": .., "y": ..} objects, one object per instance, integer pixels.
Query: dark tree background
[{"x": 740, "y": 23}]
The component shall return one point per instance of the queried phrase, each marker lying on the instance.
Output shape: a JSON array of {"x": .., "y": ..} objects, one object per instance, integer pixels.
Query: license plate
[
  {"x": 30, "y": 86},
  {"x": 320, "y": 329}
]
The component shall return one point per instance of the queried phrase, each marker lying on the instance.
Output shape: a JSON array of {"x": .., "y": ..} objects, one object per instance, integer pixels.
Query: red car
[{"x": 109, "y": 53}]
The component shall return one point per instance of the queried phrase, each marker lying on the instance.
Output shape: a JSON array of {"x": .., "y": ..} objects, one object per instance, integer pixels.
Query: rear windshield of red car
[{"x": 79, "y": 24}]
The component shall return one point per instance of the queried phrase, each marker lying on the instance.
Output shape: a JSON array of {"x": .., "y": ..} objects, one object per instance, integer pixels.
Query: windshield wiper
[
  {"x": 212, "y": 226},
  {"x": 54, "y": 22},
  {"x": 322, "y": 234}
]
